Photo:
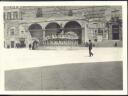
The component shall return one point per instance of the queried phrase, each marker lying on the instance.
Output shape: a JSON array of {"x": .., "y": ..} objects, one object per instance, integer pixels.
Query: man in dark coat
[
  {"x": 30, "y": 46},
  {"x": 34, "y": 45},
  {"x": 90, "y": 45}
]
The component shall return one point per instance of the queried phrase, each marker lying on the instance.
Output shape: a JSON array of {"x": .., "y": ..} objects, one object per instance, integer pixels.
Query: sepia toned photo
[
  {"x": 63, "y": 48},
  {"x": 40, "y": 28}
]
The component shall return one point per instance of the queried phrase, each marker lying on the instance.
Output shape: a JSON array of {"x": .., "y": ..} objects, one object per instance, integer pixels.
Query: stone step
[
  {"x": 108, "y": 43},
  {"x": 60, "y": 47}
]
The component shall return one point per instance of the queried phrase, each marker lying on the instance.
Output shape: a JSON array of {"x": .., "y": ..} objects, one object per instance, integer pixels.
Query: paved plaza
[
  {"x": 24, "y": 58},
  {"x": 82, "y": 76},
  {"x": 63, "y": 69}
]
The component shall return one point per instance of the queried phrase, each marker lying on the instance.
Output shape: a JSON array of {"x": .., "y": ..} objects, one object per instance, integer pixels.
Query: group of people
[
  {"x": 18, "y": 45},
  {"x": 33, "y": 45}
]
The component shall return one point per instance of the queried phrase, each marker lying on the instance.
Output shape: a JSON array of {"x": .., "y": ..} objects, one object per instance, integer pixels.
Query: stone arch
[
  {"x": 74, "y": 26},
  {"x": 52, "y": 28},
  {"x": 36, "y": 31}
]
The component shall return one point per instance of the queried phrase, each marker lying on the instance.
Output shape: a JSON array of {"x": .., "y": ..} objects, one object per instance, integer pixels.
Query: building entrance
[
  {"x": 56, "y": 35},
  {"x": 115, "y": 36},
  {"x": 12, "y": 44},
  {"x": 22, "y": 43},
  {"x": 115, "y": 32}
]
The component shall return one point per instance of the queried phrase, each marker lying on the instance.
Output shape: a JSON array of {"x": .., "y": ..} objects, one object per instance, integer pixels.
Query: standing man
[
  {"x": 30, "y": 46},
  {"x": 90, "y": 48}
]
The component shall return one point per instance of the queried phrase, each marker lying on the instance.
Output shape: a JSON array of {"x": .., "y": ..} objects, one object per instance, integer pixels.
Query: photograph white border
[{"x": 69, "y": 3}]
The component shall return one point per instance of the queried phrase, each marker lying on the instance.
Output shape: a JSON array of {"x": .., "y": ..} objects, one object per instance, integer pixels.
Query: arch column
[
  {"x": 6, "y": 35},
  {"x": 83, "y": 35},
  {"x": 86, "y": 30},
  {"x": 43, "y": 33},
  {"x": 62, "y": 23}
]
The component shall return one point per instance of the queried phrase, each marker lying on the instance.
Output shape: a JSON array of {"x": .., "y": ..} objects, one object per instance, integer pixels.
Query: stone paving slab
[
  {"x": 17, "y": 59},
  {"x": 81, "y": 76}
]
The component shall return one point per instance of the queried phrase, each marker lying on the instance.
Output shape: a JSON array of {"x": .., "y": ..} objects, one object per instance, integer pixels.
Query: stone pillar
[
  {"x": 86, "y": 32},
  {"x": 83, "y": 35},
  {"x": 6, "y": 34},
  {"x": 43, "y": 34},
  {"x": 28, "y": 35}
]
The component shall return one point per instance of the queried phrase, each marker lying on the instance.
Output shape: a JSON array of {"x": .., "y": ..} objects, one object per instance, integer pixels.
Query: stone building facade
[{"x": 53, "y": 26}]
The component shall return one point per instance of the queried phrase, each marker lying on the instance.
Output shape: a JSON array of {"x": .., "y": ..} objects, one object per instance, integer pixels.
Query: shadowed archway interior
[
  {"x": 74, "y": 26},
  {"x": 52, "y": 29},
  {"x": 36, "y": 31}
]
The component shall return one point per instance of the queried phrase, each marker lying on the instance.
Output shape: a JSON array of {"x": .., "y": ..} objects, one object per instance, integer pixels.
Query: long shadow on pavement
[{"x": 82, "y": 76}]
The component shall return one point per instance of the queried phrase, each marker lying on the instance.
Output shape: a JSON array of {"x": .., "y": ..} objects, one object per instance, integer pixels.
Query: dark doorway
[
  {"x": 115, "y": 32},
  {"x": 12, "y": 44},
  {"x": 115, "y": 36},
  {"x": 22, "y": 42}
]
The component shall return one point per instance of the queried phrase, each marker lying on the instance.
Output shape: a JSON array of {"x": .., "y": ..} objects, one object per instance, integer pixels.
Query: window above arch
[
  {"x": 8, "y": 15},
  {"x": 15, "y": 15},
  {"x": 70, "y": 13},
  {"x": 39, "y": 12}
]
